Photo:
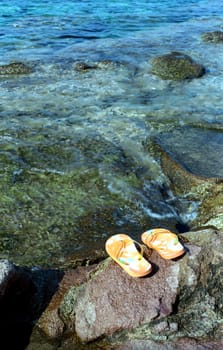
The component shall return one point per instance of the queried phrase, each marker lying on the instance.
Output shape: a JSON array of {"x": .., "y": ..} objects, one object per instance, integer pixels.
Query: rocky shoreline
[
  {"x": 94, "y": 304},
  {"x": 89, "y": 302}
]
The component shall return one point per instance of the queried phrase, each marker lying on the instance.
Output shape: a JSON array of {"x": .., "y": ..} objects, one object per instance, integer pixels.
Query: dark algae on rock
[
  {"x": 15, "y": 68},
  {"x": 215, "y": 37},
  {"x": 176, "y": 66}
]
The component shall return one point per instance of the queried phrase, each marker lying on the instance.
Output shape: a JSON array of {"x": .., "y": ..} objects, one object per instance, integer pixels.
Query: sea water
[{"x": 57, "y": 121}]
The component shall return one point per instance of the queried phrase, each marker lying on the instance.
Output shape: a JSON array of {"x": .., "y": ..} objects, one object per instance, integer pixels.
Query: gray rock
[
  {"x": 215, "y": 37},
  {"x": 15, "y": 68},
  {"x": 176, "y": 66},
  {"x": 83, "y": 66},
  {"x": 104, "y": 64}
]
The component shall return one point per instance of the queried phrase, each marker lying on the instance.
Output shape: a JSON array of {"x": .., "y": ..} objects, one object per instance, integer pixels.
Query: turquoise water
[
  {"x": 40, "y": 29},
  {"x": 73, "y": 163}
]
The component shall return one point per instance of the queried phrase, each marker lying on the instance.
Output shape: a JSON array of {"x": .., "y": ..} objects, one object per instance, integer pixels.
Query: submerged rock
[
  {"x": 197, "y": 149},
  {"x": 65, "y": 192},
  {"x": 213, "y": 37},
  {"x": 191, "y": 174},
  {"x": 83, "y": 66},
  {"x": 15, "y": 68},
  {"x": 103, "y": 64},
  {"x": 176, "y": 66}
]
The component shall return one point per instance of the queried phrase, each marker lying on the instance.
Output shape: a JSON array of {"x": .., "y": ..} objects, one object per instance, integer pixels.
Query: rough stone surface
[
  {"x": 112, "y": 300},
  {"x": 215, "y": 37},
  {"x": 50, "y": 322},
  {"x": 178, "y": 306},
  {"x": 204, "y": 274},
  {"x": 176, "y": 66},
  {"x": 181, "y": 344},
  {"x": 197, "y": 320},
  {"x": 15, "y": 68},
  {"x": 104, "y": 301}
]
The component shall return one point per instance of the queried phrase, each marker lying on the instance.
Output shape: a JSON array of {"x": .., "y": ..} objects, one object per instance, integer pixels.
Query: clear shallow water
[{"x": 73, "y": 165}]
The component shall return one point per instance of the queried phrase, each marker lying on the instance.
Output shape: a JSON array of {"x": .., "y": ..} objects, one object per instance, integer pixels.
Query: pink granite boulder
[{"x": 112, "y": 300}]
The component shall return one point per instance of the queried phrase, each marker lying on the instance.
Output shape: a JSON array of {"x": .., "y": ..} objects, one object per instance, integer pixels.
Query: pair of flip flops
[{"x": 123, "y": 249}]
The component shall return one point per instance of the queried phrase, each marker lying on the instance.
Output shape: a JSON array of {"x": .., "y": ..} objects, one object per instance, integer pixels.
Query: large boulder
[
  {"x": 103, "y": 302},
  {"x": 50, "y": 322},
  {"x": 176, "y": 66},
  {"x": 197, "y": 319},
  {"x": 100, "y": 306},
  {"x": 112, "y": 300}
]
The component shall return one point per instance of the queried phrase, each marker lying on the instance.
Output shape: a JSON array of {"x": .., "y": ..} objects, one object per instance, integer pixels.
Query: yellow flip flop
[
  {"x": 165, "y": 242},
  {"x": 122, "y": 249}
]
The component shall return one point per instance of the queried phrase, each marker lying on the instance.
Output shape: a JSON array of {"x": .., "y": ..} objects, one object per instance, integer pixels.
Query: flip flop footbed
[
  {"x": 122, "y": 249},
  {"x": 166, "y": 243}
]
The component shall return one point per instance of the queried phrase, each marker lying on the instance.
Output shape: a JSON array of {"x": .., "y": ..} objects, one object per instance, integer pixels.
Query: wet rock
[
  {"x": 83, "y": 66},
  {"x": 183, "y": 162},
  {"x": 66, "y": 193},
  {"x": 213, "y": 37},
  {"x": 176, "y": 66},
  {"x": 15, "y": 68},
  {"x": 196, "y": 149},
  {"x": 104, "y": 64}
]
